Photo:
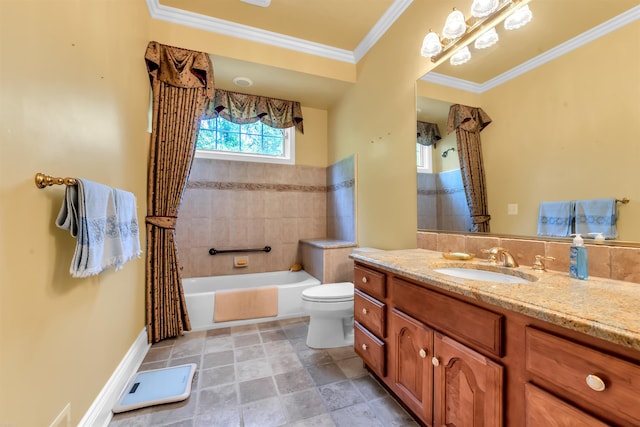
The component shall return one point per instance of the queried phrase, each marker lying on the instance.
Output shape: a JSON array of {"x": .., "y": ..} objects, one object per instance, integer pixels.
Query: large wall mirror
[{"x": 565, "y": 125}]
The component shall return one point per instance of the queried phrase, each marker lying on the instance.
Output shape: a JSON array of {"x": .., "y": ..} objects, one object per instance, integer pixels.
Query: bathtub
[{"x": 200, "y": 293}]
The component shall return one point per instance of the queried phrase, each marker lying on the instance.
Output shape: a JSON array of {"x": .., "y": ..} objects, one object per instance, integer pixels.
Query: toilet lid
[{"x": 334, "y": 292}]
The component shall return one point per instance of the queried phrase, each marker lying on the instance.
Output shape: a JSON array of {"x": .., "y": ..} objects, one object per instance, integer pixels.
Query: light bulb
[
  {"x": 487, "y": 39},
  {"x": 461, "y": 56},
  {"x": 454, "y": 26},
  {"x": 482, "y": 8},
  {"x": 519, "y": 18},
  {"x": 431, "y": 45}
]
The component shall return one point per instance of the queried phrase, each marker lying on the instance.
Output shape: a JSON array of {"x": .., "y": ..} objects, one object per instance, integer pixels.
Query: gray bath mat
[{"x": 157, "y": 386}]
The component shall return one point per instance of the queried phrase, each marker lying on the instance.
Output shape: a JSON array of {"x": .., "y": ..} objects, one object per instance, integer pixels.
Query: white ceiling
[{"x": 345, "y": 29}]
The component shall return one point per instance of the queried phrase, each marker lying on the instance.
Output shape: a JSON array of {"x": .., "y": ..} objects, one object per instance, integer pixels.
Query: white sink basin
[{"x": 483, "y": 275}]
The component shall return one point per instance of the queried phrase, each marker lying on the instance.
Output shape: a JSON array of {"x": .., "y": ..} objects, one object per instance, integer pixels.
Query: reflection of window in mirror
[{"x": 423, "y": 154}]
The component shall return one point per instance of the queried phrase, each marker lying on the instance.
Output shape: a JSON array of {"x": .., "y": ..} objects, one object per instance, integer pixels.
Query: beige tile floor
[{"x": 264, "y": 375}]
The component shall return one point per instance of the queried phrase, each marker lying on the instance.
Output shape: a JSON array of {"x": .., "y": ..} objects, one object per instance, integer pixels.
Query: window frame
[{"x": 425, "y": 152}]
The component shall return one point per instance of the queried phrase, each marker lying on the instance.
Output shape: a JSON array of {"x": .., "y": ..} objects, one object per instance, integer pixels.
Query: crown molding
[
  {"x": 386, "y": 21},
  {"x": 588, "y": 36},
  {"x": 220, "y": 26}
]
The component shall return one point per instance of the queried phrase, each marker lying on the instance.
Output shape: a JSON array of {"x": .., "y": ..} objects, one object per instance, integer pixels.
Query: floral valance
[
  {"x": 242, "y": 108},
  {"x": 471, "y": 119},
  {"x": 428, "y": 133}
]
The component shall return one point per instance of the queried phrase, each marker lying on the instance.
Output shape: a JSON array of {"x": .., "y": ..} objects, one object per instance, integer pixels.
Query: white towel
[
  {"x": 105, "y": 223},
  {"x": 555, "y": 218},
  {"x": 597, "y": 216}
]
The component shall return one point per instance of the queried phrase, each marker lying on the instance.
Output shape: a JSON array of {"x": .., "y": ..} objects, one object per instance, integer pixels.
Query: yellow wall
[
  {"x": 74, "y": 100},
  {"x": 567, "y": 130},
  {"x": 376, "y": 120},
  {"x": 311, "y": 147}
]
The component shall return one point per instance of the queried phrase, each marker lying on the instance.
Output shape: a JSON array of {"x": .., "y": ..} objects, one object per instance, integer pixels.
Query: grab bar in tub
[{"x": 214, "y": 251}]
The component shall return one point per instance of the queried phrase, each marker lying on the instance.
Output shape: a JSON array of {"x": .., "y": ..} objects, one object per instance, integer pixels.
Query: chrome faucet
[{"x": 505, "y": 257}]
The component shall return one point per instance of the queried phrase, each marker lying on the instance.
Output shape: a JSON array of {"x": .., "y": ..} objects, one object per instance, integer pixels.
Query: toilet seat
[{"x": 329, "y": 293}]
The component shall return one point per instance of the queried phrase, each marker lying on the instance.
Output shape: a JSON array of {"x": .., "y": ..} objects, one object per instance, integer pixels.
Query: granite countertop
[{"x": 603, "y": 308}]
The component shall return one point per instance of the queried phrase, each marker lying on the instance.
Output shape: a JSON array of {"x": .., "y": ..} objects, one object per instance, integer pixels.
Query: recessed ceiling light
[
  {"x": 261, "y": 3},
  {"x": 243, "y": 81}
]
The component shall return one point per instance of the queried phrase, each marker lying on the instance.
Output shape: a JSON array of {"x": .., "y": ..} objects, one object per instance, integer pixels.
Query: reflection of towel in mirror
[
  {"x": 555, "y": 218},
  {"x": 597, "y": 216},
  {"x": 105, "y": 223}
]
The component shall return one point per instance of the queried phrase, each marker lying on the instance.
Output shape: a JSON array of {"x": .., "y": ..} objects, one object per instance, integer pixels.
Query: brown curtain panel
[
  {"x": 242, "y": 108},
  {"x": 468, "y": 122},
  {"x": 182, "y": 82},
  {"x": 428, "y": 133}
]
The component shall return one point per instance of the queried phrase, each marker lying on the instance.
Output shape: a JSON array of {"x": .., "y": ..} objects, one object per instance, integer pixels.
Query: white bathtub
[{"x": 200, "y": 293}]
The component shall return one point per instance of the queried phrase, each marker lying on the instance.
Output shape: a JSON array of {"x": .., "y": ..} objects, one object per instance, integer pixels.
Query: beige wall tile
[
  {"x": 451, "y": 243},
  {"x": 475, "y": 245},
  {"x": 524, "y": 251},
  {"x": 625, "y": 264},
  {"x": 426, "y": 240}
]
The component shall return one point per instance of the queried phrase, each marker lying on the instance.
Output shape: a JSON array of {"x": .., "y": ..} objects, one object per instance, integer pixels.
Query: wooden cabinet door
[
  {"x": 411, "y": 371},
  {"x": 468, "y": 387}
]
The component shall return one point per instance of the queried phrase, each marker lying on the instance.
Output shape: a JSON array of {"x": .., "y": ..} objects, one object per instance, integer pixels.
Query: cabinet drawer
[
  {"x": 471, "y": 325},
  {"x": 544, "y": 409},
  {"x": 370, "y": 282},
  {"x": 370, "y": 313},
  {"x": 569, "y": 366},
  {"x": 370, "y": 349}
]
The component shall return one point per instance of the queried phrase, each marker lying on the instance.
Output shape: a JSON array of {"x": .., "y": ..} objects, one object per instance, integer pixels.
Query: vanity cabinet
[
  {"x": 453, "y": 360},
  {"x": 440, "y": 379}
]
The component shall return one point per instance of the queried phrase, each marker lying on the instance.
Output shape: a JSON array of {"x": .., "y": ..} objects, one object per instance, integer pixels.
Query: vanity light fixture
[{"x": 479, "y": 28}]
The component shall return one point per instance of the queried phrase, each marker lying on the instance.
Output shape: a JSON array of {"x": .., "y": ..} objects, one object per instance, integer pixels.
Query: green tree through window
[{"x": 254, "y": 138}]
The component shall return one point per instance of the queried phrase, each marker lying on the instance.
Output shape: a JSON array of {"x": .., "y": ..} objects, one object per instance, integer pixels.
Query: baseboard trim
[{"x": 99, "y": 414}]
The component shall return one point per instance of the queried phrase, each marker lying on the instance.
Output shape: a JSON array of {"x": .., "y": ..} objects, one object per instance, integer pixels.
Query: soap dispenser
[{"x": 578, "y": 259}]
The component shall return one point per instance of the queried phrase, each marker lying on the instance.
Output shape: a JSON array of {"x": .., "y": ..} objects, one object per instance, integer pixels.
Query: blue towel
[
  {"x": 105, "y": 223},
  {"x": 597, "y": 216},
  {"x": 555, "y": 218}
]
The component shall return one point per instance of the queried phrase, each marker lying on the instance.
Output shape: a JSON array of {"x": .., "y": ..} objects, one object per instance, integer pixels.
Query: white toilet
[{"x": 330, "y": 309}]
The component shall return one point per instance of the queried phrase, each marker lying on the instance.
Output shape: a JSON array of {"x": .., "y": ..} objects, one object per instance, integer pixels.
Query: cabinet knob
[
  {"x": 435, "y": 361},
  {"x": 364, "y": 347},
  {"x": 423, "y": 353},
  {"x": 364, "y": 311},
  {"x": 595, "y": 382},
  {"x": 364, "y": 279}
]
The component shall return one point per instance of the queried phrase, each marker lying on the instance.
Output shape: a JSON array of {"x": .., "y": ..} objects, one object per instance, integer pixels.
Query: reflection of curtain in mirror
[
  {"x": 428, "y": 133},
  {"x": 468, "y": 122}
]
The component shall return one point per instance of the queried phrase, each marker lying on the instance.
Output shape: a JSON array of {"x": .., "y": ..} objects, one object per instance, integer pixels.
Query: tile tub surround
[
  {"x": 602, "y": 308},
  {"x": 230, "y": 204},
  {"x": 264, "y": 375},
  {"x": 613, "y": 262}
]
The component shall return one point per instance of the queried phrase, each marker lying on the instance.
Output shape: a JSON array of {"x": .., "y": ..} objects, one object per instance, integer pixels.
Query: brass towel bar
[
  {"x": 43, "y": 181},
  {"x": 624, "y": 200}
]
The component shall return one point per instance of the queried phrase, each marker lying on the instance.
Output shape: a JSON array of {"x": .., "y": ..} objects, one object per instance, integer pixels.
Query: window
[
  {"x": 423, "y": 155},
  {"x": 252, "y": 142}
]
